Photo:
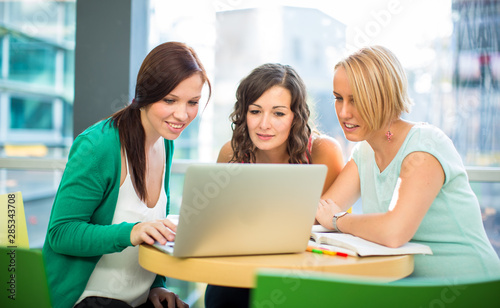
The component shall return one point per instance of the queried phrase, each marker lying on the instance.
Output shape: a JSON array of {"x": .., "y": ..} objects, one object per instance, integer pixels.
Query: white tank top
[{"x": 119, "y": 275}]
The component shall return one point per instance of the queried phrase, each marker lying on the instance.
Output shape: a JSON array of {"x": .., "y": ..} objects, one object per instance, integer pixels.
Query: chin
[
  {"x": 171, "y": 136},
  {"x": 353, "y": 138},
  {"x": 263, "y": 146}
]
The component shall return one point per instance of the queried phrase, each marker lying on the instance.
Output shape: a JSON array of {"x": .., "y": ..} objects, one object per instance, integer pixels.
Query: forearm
[
  {"x": 85, "y": 239},
  {"x": 381, "y": 228}
]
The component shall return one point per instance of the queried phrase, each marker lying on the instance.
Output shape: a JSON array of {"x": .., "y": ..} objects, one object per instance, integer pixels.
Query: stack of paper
[{"x": 354, "y": 245}]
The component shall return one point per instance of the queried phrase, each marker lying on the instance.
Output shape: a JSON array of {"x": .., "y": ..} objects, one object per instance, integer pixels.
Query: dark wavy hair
[
  {"x": 162, "y": 70},
  {"x": 249, "y": 90}
]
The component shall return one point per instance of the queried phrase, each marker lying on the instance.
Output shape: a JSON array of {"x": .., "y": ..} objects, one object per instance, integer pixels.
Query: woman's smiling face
[
  {"x": 349, "y": 118},
  {"x": 269, "y": 119},
  {"x": 170, "y": 116}
]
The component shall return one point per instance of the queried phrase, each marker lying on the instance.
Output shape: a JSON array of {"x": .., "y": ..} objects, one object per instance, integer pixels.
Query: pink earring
[{"x": 389, "y": 135}]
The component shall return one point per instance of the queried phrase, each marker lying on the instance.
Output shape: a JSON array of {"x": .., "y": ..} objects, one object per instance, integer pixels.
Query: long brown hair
[
  {"x": 249, "y": 90},
  {"x": 161, "y": 71}
]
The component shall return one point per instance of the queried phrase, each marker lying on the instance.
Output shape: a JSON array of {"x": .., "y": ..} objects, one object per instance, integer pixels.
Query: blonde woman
[{"x": 410, "y": 178}]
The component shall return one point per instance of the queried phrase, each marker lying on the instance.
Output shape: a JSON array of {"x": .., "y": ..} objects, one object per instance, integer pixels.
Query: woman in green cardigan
[{"x": 114, "y": 193}]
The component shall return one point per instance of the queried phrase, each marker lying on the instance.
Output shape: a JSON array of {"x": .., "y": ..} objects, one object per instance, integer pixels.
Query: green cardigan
[{"x": 80, "y": 229}]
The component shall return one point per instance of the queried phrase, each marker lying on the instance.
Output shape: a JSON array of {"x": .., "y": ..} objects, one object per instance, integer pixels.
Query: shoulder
[
  {"x": 322, "y": 143},
  {"x": 100, "y": 142},
  {"x": 102, "y": 134},
  {"x": 428, "y": 131},
  {"x": 225, "y": 153},
  {"x": 428, "y": 138},
  {"x": 324, "y": 146}
]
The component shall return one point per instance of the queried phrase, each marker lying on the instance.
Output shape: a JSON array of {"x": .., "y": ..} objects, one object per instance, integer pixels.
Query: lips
[
  {"x": 349, "y": 127},
  {"x": 175, "y": 126},
  {"x": 265, "y": 136}
]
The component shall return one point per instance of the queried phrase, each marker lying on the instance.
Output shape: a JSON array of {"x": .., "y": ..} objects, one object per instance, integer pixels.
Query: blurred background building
[
  {"x": 247, "y": 38},
  {"x": 476, "y": 79}
]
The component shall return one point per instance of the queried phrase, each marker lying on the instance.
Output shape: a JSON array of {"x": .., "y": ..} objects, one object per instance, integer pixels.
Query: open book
[{"x": 354, "y": 245}]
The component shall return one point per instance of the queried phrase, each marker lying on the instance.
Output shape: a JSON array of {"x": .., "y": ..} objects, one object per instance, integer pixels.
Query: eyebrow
[
  {"x": 274, "y": 107},
  {"x": 335, "y": 93},
  {"x": 175, "y": 96}
]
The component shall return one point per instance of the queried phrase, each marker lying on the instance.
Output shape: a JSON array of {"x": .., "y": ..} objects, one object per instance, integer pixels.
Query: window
[
  {"x": 31, "y": 61},
  {"x": 37, "y": 41},
  {"x": 451, "y": 55},
  {"x": 30, "y": 114}
]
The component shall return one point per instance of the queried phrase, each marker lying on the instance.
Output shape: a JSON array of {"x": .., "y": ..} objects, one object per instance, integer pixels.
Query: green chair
[
  {"x": 295, "y": 289},
  {"x": 23, "y": 278}
]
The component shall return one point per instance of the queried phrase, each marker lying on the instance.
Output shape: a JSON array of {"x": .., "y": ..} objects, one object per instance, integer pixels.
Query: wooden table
[{"x": 239, "y": 271}]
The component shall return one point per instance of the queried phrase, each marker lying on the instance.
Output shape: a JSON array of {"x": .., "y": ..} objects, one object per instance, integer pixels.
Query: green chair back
[
  {"x": 23, "y": 278},
  {"x": 290, "y": 289}
]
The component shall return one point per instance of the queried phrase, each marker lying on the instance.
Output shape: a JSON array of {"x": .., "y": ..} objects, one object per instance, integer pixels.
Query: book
[{"x": 356, "y": 246}]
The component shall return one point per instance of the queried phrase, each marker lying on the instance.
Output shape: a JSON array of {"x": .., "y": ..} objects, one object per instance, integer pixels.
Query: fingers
[
  {"x": 149, "y": 232},
  {"x": 173, "y": 301},
  {"x": 181, "y": 303},
  {"x": 155, "y": 233},
  {"x": 325, "y": 211},
  {"x": 162, "y": 232},
  {"x": 170, "y": 225},
  {"x": 155, "y": 300},
  {"x": 326, "y": 202},
  {"x": 160, "y": 296}
]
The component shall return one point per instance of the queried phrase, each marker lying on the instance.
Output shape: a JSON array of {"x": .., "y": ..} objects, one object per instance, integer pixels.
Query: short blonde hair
[{"x": 378, "y": 83}]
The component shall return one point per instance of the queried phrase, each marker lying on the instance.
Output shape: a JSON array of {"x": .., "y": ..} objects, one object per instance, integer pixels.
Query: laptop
[{"x": 246, "y": 209}]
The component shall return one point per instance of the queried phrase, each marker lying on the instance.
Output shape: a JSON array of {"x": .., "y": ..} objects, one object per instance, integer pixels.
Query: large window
[
  {"x": 37, "y": 40},
  {"x": 451, "y": 55},
  {"x": 450, "y": 50},
  {"x": 37, "y": 73}
]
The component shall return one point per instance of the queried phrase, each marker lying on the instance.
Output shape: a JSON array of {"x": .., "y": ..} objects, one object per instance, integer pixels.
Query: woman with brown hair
[
  {"x": 271, "y": 125},
  {"x": 114, "y": 193}
]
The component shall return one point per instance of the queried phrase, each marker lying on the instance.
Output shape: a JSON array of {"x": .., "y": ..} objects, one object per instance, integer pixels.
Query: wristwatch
[{"x": 335, "y": 218}]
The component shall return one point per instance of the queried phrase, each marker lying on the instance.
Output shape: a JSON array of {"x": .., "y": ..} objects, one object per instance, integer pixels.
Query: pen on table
[{"x": 325, "y": 251}]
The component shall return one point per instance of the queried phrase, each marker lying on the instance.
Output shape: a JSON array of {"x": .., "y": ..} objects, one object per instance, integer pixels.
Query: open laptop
[{"x": 246, "y": 209}]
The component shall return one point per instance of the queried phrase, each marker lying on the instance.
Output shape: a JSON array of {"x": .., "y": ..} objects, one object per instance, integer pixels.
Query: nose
[
  {"x": 180, "y": 112},
  {"x": 343, "y": 110},
  {"x": 265, "y": 121}
]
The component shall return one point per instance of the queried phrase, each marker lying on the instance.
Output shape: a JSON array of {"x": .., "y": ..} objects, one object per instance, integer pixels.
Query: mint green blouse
[{"x": 452, "y": 227}]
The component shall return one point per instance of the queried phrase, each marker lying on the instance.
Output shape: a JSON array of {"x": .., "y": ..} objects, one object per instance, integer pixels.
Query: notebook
[{"x": 246, "y": 209}]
